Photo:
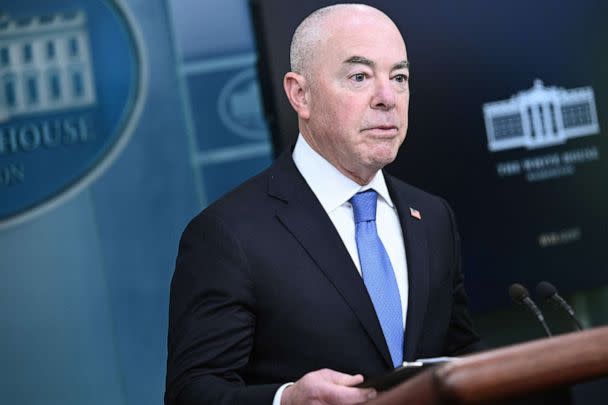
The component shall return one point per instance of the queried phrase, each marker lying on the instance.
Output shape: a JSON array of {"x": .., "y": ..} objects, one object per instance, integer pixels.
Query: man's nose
[{"x": 384, "y": 95}]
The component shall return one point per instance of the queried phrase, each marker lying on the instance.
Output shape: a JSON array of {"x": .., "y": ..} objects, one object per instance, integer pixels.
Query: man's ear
[{"x": 296, "y": 88}]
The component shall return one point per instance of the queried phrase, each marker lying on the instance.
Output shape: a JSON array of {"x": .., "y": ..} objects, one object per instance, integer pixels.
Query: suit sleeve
[
  {"x": 461, "y": 337},
  {"x": 211, "y": 320}
]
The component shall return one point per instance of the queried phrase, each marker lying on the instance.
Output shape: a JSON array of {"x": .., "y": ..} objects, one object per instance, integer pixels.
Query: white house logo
[
  {"x": 239, "y": 106},
  {"x": 70, "y": 94},
  {"x": 539, "y": 117},
  {"x": 54, "y": 69}
]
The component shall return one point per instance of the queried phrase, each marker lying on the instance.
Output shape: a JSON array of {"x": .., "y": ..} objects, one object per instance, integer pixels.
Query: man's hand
[{"x": 327, "y": 387}]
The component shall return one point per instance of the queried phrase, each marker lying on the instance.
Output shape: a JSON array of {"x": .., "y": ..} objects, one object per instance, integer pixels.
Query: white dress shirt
[{"x": 334, "y": 190}]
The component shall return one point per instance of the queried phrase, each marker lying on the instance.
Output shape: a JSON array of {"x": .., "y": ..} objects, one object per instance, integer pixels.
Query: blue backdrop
[{"x": 85, "y": 277}]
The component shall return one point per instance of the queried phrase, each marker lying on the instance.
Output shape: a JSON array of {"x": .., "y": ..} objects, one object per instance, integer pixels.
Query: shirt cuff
[{"x": 279, "y": 394}]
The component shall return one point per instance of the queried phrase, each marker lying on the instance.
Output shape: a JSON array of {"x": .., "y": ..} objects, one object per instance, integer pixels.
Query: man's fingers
[
  {"x": 343, "y": 379},
  {"x": 340, "y": 390},
  {"x": 349, "y": 395},
  {"x": 327, "y": 387}
]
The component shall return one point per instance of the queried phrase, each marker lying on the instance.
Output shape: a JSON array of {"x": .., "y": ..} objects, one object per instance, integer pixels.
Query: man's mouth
[{"x": 382, "y": 130}]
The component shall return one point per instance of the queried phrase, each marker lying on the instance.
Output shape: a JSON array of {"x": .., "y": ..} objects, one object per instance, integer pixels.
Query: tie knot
[{"x": 364, "y": 205}]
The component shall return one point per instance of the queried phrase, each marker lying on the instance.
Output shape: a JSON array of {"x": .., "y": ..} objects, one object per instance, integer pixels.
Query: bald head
[
  {"x": 349, "y": 87},
  {"x": 316, "y": 28}
]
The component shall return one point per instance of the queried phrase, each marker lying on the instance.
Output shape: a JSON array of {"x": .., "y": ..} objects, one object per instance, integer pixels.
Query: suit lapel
[
  {"x": 307, "y": 221},
  {"x": 416, "y": 250}
]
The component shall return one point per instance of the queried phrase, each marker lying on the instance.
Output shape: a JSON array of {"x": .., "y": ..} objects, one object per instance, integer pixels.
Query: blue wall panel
[{"x": 85, "y": 282}]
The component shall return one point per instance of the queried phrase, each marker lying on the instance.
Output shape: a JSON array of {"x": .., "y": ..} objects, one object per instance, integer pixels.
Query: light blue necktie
[{"x": 378, "y": 274}]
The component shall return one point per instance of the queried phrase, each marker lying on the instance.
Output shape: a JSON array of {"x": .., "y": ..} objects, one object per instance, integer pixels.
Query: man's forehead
[{"x": 364, "y": 41}]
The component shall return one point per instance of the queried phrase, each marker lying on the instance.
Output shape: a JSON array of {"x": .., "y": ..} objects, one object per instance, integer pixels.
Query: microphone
[
  {"x": 546, "y": 291},
  {"x": 520, "y": 295}
]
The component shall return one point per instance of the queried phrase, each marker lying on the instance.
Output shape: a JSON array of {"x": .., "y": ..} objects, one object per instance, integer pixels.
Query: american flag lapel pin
[{"x": 415, "y": 213}]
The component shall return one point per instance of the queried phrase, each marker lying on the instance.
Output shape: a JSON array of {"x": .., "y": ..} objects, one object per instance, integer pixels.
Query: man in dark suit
[{"x": 322, "y": 268}]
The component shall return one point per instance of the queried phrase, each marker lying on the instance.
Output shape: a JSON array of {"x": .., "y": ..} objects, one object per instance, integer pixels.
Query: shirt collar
[{"x": 331, "y": 187}]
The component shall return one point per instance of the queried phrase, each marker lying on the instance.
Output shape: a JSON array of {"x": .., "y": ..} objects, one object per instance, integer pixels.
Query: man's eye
[
  {"x": 401, "y": 78},
  {"x": 358, "y": 77}
]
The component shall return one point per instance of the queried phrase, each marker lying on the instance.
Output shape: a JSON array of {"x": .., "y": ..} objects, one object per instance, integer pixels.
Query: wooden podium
[{"x": 510, "y": 372}]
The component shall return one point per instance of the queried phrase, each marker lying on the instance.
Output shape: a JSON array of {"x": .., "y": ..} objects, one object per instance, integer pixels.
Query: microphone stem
[
  {"x": 576, "y": 322},
  {"x": 538, "y": 314},
  {"x": 545, "y": 327},
  {"x": 562, "y": 302}
]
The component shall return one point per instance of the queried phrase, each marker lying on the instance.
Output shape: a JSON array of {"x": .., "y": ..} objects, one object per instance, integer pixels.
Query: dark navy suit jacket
[{"x": 264, "y": 291}]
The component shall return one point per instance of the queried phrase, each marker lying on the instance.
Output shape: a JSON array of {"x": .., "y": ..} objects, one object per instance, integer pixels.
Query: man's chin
[
  {"x": 378, "y": 164},
  {"x": 383, "y": 157}
]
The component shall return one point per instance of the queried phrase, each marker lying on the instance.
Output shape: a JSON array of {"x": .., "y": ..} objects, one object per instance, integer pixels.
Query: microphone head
[
  {"x": 518, "y": 292},
  {"x": 545, "y": 290}
]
